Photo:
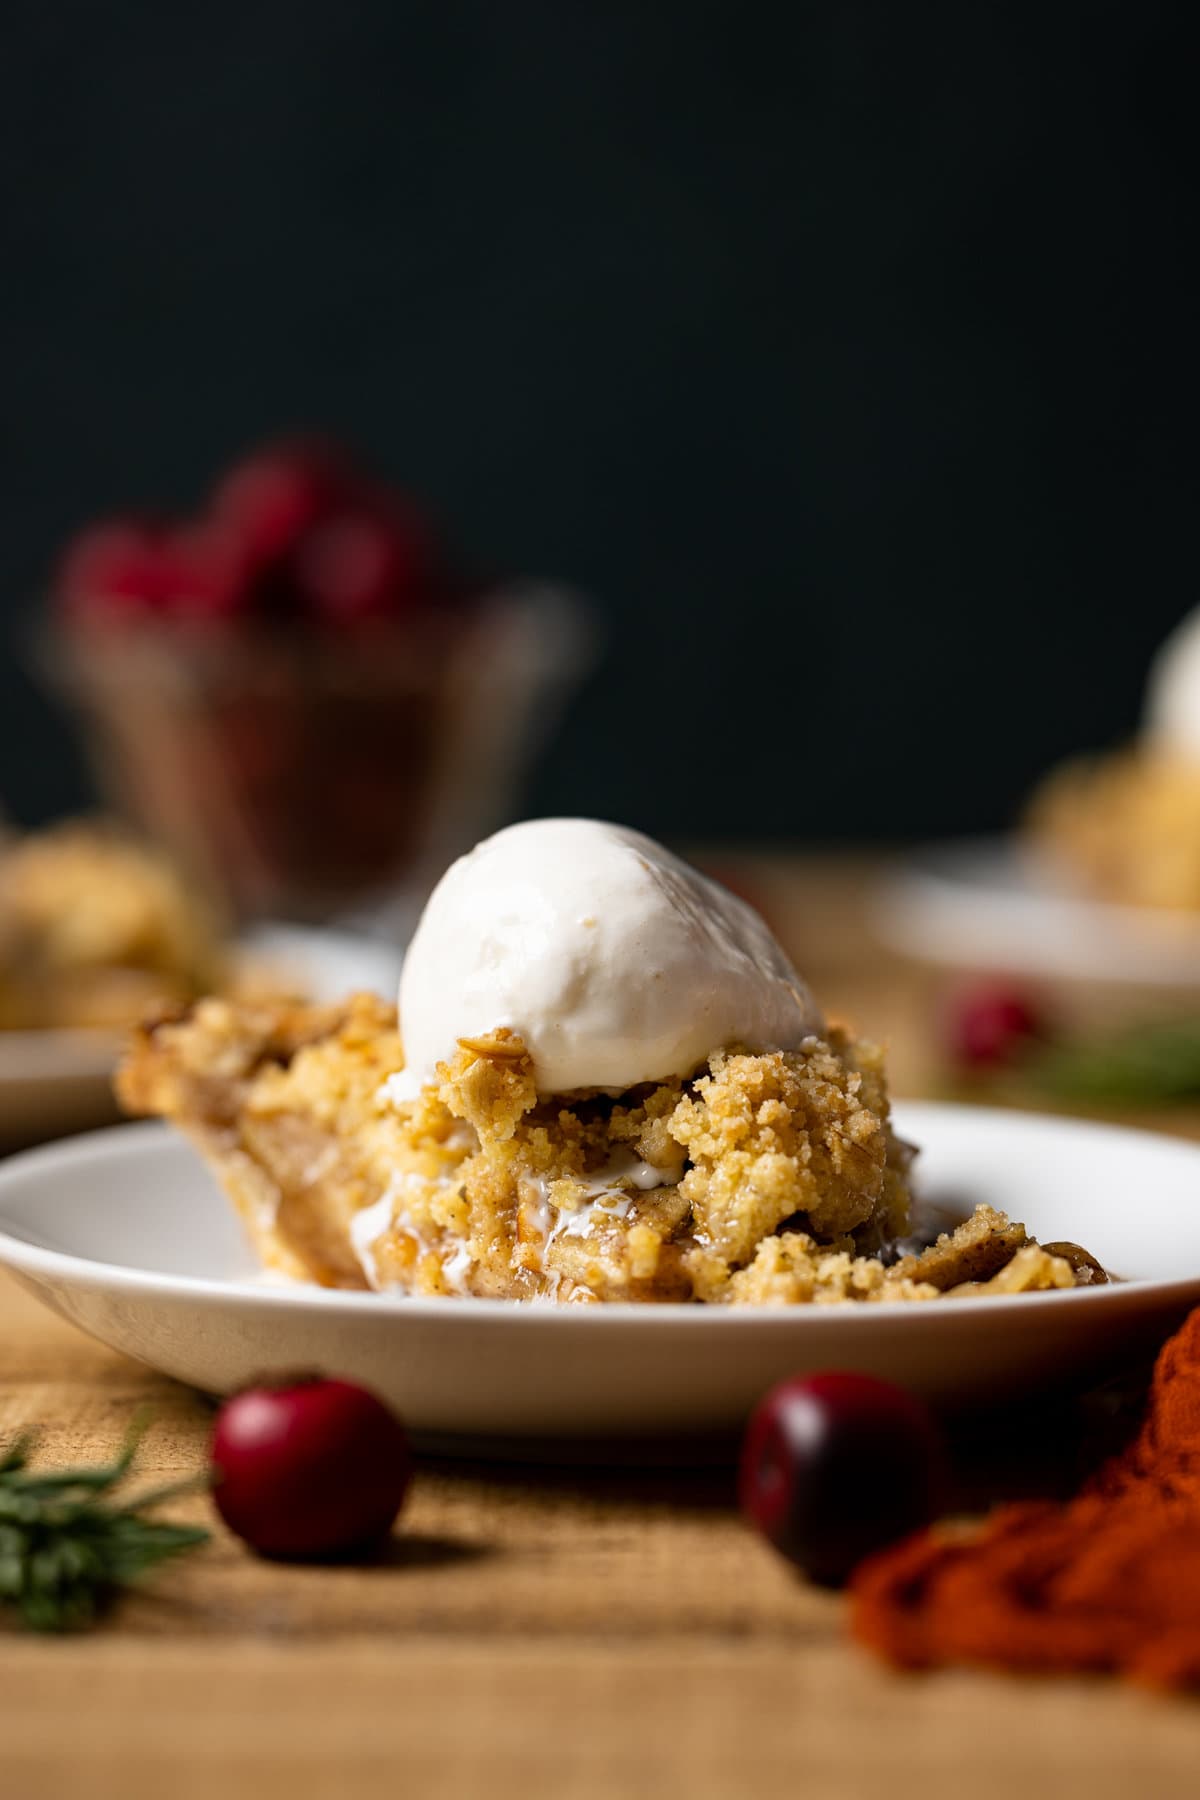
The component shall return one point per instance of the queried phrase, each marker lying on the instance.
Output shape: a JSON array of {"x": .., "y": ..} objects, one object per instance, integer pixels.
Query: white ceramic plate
[
  {"x": 55, "y": 1081},
  {"x": 125, "y": 1234},
  {"x": 990, "y": 903}
]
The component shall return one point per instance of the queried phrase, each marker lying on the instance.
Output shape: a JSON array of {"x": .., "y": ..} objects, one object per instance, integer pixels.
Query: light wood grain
[{"x": 535, "y": 1631}]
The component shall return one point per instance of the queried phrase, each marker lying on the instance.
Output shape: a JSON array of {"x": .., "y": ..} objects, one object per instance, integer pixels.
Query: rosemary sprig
[
  {"x": 1145, "y": 1063},
  {"x": 66, "y": 1547}
]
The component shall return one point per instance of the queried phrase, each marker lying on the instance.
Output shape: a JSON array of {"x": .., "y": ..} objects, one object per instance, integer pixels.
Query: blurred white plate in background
[
  {"x": 124, "y": 1233},
  {"x": 325, "y": 964},
  {"x": 989, "y": 903},
  {"x": 56, "y": 1081}
]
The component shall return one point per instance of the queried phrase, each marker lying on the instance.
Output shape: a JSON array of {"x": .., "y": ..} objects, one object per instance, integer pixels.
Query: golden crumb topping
[
  {"x": 95, "y": 928},
  {"x": 765, "y": 1180},
  {"x": 1128, "y": 825}
]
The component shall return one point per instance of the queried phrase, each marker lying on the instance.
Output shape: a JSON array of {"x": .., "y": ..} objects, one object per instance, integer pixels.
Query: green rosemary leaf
[
  {"x": 97, "y": 1480},
  {"x": 172, "y": 1490},
  {"x": 126, "y": 1561},
  {"x": 17, "y": 1454},
  {"x": 1146, "y": 1064},
  {"x": 66, "y": 1548}
]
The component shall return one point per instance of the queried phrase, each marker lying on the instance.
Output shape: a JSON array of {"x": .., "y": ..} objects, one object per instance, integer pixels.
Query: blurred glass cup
[{"x": 307, "y": 777}]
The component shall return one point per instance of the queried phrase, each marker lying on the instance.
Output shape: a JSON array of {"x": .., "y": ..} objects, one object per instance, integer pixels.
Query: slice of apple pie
[
  {"x": 772, "y": 1178},
  {"x": 613, "y": 1085}
]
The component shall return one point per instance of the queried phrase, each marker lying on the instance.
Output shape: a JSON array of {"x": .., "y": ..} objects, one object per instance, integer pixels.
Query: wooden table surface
[{"x": 535, "y": 1631}]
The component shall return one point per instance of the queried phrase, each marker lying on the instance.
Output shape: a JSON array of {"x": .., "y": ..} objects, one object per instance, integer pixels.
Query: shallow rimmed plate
[
  {"x": 55, "y": 1081},
  {"x": 125, "y": 1234},
  {"x": 991, "y": 903}
]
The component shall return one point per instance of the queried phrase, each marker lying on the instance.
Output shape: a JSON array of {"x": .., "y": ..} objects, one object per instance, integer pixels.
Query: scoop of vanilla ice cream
[
  {"x": 1173, "y": 691},
  {"x": 611, "y": 959}
]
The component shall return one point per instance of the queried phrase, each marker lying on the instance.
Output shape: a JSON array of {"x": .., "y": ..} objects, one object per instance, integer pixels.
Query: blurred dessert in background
[
  {"x": 1127, "y": 824},
  {"x": 97, "y": 929},
  {"x": 298, "y": 691}
]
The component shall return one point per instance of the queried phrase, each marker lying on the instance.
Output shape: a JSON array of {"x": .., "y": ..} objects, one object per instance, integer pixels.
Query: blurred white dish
[
  {"x": 989, "y": 903},
  {"x": 325, "y": 964},
  {"x": 124, "y": 1233},
  {"x": 56, "y": 1081}
]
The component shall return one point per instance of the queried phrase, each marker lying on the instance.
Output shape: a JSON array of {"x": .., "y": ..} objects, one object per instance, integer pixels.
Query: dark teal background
[{"x": 845, "y": 353}]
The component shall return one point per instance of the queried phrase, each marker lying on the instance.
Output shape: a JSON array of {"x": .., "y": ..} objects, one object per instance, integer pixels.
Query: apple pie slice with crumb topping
[{"x": 770, "y": 1179}]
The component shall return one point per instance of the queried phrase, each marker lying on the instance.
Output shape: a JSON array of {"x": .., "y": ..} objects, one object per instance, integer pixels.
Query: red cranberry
[
  {"x": 310, "y": 1468},
  {"x": 991, "y": 1024},
  {"x": 360, "y": 564},
  {"x": 206, "y": 572},
  {"x": 113, "y": 569},
  {"x": 272, "y": 497},
  {"x": 835, "y": 1466}
]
